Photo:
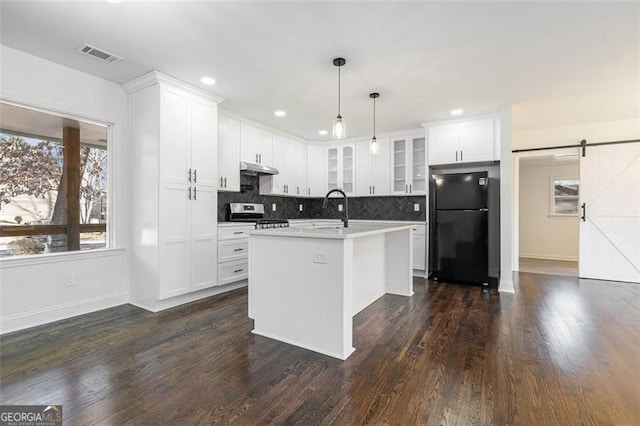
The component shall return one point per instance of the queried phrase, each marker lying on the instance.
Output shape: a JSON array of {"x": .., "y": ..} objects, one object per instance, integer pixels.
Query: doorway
[
  {"x": 548, "y": 213},
  {"x": 549, "y": 208}
]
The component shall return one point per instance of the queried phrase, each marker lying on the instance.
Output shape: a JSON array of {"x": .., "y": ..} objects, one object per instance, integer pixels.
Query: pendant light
[
  {"x": 339, "y": 128},
  {"x": 373, "y": 147}
]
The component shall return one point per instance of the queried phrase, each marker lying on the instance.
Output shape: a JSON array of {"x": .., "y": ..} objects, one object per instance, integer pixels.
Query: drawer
[
  {"x": 419, "y": 229},
  {"x": 233, "y": 249},
  {"x": 230, "y": 272},
  {"x": 230, "y": 232}
]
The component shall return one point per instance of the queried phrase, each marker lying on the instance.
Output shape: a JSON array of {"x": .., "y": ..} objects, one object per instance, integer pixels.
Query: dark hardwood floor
[{"x": 561, "y": 351}]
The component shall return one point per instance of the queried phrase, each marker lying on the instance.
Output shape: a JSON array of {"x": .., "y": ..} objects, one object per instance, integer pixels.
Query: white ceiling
[{"x": 557, "y": 63}]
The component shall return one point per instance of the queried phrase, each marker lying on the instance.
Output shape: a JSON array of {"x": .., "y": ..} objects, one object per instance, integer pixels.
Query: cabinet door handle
[
  {"x": 369, "y": 189},
  {"x": 456, "y": 155},
  {"x": 410, "y": 189},
  {"x": 257, "y": 157},
  {"x": 238, "y": 270},
  {"x": 461, "y": 151},
  {"x": 238, "y": 249},
  {"x": 584, "y": 212},
  {"x": 189, "y": 175},
  {"x": 189, "y": 194},
  {"x": 239, "y": 232},
  {"x": 374, "y": 189},
  {"x": 195, "y": 175},
  {"x": 225, "y": 182},
  {"x": 406, "y": 188},
  {"x": 221, "y": 186},
  {"x": 309, "y": 190},
  {"x": 195, "y": 193}
]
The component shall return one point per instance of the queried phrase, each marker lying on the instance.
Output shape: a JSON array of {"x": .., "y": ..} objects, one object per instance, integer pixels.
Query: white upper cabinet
[
  {"x": 408, "y": 165},
  {"x": 317, "y": 176},
  {"x": 285, "y": 156},
  {"x": 466, "y": 142},
  {"x": 256, "y": 145},
  {"x": 372, "y": 170},
  {"x": 229, "y": 154},
  {"x": 284, "y": 159},
  {"x": 341, "y": 168},
  {"x": 477, "y": 141},
  {"x": 302, "y": 168}
]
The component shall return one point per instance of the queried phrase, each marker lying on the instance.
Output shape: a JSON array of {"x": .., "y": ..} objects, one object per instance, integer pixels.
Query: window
[
  {"x": 53, "y": 183},
  {"x": 564, "y": 197}
]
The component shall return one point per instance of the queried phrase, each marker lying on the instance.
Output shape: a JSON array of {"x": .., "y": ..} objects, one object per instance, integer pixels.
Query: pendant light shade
[
  {"x": 339, "y": 126},
  {"x": 373, "y": 146}
]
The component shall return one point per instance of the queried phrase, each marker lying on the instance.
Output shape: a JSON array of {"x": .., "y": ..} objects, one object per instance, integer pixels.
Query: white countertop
[
  {"x": 327, "y": 221},
  {"x": 336, "y": 232}
]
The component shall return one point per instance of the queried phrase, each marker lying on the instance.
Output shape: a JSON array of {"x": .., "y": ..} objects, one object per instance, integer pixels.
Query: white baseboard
[
  {"x": 56, "y": 313},
  {"x": 548, "y": 257},
  {"x": 419, "y": 273},
  {"x": 305, "y": 346},
  {"x": 188, "y": 298},
  {"x": 506, "y": 286}
]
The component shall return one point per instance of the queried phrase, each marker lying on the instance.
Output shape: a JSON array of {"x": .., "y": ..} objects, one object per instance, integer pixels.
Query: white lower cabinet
[
  {"x": 419, "y": 247},
  {"x": 233, "y": 253},
  {"x": 233, "y": 271}
]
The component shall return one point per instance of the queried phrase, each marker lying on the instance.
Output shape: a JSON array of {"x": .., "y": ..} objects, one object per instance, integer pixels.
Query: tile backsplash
[{"x": 374, "y": 208}]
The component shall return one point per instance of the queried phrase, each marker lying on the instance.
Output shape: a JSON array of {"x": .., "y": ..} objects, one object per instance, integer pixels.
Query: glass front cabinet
[
  {"x": 409, "y": 165},
  {"x": 340, "y": 168}
]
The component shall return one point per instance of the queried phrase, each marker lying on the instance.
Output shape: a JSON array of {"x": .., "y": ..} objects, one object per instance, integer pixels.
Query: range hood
[{"x": 254, "y": 169}]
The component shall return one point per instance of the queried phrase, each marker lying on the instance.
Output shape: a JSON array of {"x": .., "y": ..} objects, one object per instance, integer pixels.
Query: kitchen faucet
[{"x": 346, "y": 205}]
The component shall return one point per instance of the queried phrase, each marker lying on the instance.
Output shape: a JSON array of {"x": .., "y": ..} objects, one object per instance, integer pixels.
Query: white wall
[
  {"x": 36, "y": 290},
  {"x": 605, "y": 131},
  {"x": 543, "y": 236}
]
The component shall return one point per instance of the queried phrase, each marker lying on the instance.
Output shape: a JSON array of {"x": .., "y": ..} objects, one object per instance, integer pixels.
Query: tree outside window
[{"x": 33, "y": 189}]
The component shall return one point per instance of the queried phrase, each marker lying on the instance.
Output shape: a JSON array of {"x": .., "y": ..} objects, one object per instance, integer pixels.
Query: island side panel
[
  {"x": 300, "y": 292},
  {"x": 369, "y": 271},
  {"x": 399, "y": 262}
]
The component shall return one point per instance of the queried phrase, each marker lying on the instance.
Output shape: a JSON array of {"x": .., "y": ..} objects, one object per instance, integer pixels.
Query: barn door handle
[{"x": 584, "y": 212}]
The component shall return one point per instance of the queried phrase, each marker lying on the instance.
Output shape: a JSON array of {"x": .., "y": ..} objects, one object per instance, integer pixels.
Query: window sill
[{"x": 40, "y": 259}]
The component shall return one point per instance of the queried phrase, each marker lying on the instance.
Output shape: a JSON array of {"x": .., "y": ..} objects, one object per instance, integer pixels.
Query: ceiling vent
[{"x": 98, "y": 53}]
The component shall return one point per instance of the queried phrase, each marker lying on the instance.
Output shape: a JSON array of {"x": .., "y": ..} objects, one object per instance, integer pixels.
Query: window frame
[
  {"x": 553, "y": 197},
  {"x": 10, "y": 231}
]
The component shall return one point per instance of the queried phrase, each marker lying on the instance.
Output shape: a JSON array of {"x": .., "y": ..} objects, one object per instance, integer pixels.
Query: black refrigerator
[{"x": 460, "y": 232}]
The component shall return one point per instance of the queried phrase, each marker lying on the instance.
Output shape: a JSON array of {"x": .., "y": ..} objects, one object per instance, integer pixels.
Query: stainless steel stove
[
  {"x": 254, "y": 213},
  {"x": 272, "y": 223}
]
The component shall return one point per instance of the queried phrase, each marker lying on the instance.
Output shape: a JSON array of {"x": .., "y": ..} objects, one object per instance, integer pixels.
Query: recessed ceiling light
[
  {"x": 457, "y": 111},
  {"x": 323, "y": 133},
  {"x": 208, "y": 81},
  {"x": 280, "y": 113}
]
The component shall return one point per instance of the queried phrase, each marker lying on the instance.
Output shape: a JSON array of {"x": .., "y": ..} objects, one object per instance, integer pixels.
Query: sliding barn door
[{"x": 610, "y": 222}]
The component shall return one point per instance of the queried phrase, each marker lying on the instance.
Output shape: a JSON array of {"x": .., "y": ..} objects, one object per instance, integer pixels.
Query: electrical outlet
[
  {"x": 299, "y": 207},
  {"x": 320, "y": 257},
  {"x": 339, "y": 207},
  {"x": 273, "y": 207},
  {"x": 72, "y": 279},
  {"x": 416, "y": 207}
]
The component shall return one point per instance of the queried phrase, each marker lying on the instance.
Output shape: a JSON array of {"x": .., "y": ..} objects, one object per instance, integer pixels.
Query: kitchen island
[{"x": 307, "y": 283}]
